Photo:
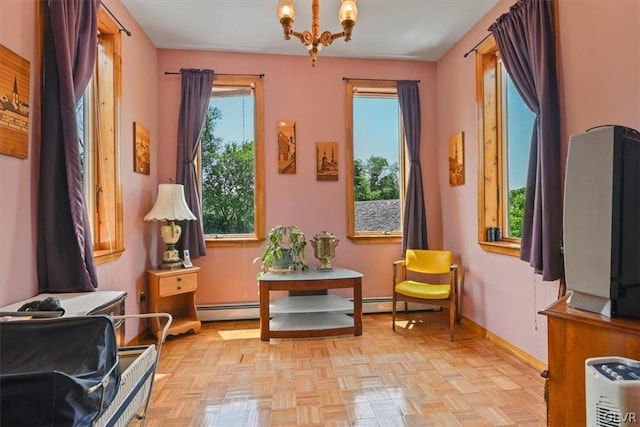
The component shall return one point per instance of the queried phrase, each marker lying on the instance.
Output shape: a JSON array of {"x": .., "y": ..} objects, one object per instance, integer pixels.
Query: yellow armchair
[{"x": 434, "y": 264}]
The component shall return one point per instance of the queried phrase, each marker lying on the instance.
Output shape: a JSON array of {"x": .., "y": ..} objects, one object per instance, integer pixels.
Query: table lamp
[{"x": 170, "y": 206}]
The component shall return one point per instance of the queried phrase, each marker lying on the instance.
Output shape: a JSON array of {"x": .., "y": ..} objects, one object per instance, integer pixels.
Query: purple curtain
[
  {"x": 414, "y": 233},
  {"x": 65, "y": 249},
  {"x": 194, "y": 102},
  {"x": 525, "y": 39}
]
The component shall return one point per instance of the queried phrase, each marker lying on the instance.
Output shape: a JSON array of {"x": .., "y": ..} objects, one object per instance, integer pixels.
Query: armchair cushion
[{"x": 414, "y": 289}]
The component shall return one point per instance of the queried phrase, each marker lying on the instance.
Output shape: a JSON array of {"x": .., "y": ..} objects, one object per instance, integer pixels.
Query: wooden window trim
[
  {"x": 490, "y": 150},
  {"x": 109, "y": 209},
  {"x": 255, "y": 239}
]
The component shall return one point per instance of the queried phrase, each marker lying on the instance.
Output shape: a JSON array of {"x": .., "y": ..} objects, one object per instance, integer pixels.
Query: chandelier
[{"x": 314, "y": 40}]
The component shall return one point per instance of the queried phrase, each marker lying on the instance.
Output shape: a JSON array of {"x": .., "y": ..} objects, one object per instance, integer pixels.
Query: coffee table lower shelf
[{"x": 298, "y": 325}]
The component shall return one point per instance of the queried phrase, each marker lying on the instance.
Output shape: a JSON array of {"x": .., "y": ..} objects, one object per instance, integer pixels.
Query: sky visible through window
[
  {"x": 236, "y": 124},
  {"x": 519, "y": 128},
  {"x": 375, "y": 130}
]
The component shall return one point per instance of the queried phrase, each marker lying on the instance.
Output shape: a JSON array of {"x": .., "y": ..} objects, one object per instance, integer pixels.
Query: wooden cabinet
[
  {"x": 110, "y": 303},
  {"x": 114, "y": 307},
  {"x": 173, "y": 292},
  {"x": 574, "y": 336}
]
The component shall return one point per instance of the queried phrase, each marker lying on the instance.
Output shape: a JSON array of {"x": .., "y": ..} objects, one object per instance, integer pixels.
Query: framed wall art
[
  {"x": 287, "y": 147},
  {"x": 456, "y": 159},
  {"x": 141, "y": 149},
  {"x": 14, "y": 104},
  {"x": 327, "y": 161}
]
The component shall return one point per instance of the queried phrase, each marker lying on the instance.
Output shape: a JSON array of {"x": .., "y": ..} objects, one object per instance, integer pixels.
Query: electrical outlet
[{"x": 142, "y": 297}]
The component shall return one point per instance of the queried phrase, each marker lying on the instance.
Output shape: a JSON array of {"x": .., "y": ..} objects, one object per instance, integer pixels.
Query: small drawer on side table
[
  {"x": 173, "y": 292},
  {"x": 173, "y": 285}
]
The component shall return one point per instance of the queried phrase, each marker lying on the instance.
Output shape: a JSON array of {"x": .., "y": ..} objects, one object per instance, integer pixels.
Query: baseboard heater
[{"x": 247, "y": 311}]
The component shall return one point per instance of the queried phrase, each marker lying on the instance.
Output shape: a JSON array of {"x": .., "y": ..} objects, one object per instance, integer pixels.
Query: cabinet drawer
[
  {"x": 112, "y": 309},
  {"x": 177, "y": 284}
]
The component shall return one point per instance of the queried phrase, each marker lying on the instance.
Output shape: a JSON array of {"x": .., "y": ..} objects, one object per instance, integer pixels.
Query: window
[
  {"x": 231, "y": 161},
  {"x": 505, "y": 138},
  {"x": 98, "y": 128},
  {"x": 375, "y": 159}
]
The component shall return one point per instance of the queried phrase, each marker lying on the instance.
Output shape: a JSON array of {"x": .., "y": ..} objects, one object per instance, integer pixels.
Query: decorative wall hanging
[
  {"x": 286, "y": 147},
  {"x": 14, "y": 104},
  {"x": 327, "y": 161},
  {"x": 141, "y": 149},
  {"x": 456, "y": 159}
]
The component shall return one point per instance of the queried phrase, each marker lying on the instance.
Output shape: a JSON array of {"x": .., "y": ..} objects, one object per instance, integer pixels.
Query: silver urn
[{"x": 324, "y": 248}]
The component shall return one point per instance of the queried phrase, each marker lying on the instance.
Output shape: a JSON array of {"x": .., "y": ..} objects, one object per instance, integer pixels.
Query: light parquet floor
[{"x": 226, "y": 376}]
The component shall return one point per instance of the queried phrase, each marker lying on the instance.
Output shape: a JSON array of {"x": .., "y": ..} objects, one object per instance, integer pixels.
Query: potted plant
[{"x": 284, "y": 249}]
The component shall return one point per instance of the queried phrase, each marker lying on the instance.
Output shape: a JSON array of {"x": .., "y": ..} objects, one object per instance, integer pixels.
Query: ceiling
[{"x": 386, "y": 29}]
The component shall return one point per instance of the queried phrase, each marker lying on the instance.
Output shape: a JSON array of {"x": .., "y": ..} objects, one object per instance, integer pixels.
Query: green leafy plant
[{"x": 284, "y": 248}]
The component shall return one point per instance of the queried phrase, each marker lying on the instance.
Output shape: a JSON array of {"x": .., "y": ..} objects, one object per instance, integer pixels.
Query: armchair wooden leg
[
  {"x": 393, "y": 313},
  {"x": 452, "y": 318}
]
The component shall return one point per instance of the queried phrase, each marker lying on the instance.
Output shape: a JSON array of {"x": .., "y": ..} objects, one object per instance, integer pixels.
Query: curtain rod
[
  {"x": 475, "y": 48},
  {"x": 218, "y": 74},
  {"x": 122, "y": 28},
  {"x": 346, "y": 79}
]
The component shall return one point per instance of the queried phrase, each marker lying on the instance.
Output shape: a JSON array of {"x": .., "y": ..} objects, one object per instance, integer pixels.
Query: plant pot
[{"x": 284, "y": 262}]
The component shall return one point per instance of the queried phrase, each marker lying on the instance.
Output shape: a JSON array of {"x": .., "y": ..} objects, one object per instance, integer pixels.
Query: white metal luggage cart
[{"x": 138, "y": 365}]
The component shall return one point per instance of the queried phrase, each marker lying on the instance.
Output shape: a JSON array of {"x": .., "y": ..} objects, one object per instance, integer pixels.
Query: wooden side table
[{"x": 173, "y": 292}]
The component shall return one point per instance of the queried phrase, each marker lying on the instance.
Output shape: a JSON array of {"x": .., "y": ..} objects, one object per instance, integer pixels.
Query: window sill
[
  {"x": 504, "y": 248},
  {"x": 376, "y": 238},
  {"x": 232, "y": 241},
  {"x": 104, "y": 256}
]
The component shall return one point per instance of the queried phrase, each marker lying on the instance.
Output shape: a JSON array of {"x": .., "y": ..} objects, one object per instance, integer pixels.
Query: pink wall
[
  {"x": 18, "y": 195},
  {"x": 600, "y": 63},
  {"x": 599, "y": 48},
  {"x": 18, "y": 177},
  {"x": 315, "y": 99}
]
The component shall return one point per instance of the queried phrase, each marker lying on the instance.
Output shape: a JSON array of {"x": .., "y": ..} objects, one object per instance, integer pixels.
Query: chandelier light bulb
[
  {"x": 347, "y": 11},
  {"x": 286, "y": 10}
]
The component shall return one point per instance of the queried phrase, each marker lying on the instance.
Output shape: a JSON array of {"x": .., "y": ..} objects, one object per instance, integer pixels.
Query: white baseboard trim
[{"x": 249, "y": 311}]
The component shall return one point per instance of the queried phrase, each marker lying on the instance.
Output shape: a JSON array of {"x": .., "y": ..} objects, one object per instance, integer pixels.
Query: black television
[{"x": 601, "y": 225}]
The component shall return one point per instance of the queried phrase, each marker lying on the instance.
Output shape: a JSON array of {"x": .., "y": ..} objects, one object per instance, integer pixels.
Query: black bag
[
  {"x": 57, "y": 372},
  {"x": 47, "y": 304}
]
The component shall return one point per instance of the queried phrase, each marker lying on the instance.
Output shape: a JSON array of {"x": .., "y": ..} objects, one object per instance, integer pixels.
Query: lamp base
[
  {"x": 171, "y": 265},
  {"x": 171, "y": 260}
]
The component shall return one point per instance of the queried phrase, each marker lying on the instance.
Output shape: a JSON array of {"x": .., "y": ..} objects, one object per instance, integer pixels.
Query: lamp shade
[{"x": 170, "y": 204}]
